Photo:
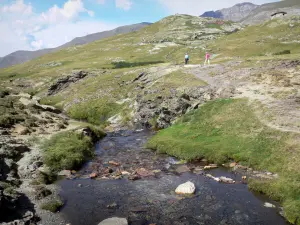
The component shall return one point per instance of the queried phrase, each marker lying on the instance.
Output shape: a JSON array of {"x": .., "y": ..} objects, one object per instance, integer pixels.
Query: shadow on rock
[{"x": 16, "y": 208}]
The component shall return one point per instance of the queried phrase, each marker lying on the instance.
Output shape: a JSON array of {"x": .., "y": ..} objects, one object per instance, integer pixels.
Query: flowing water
[{"x": 152, "y": 200}]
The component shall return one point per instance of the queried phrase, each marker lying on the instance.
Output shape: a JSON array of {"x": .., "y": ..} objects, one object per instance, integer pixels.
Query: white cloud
[
  {"x": 17, "y": 7},
  {"x": 11, "y": 41},
  {"x": 197, "y": 7},
  {"x": 124, "y": 4},
  {"x": 37, "y": 44},
  {"x": 26, "y": 30},
  {"x": 68, "y": 31},
  {"x": 70, "y": 11},
  {"x": 121, "y": 4}
]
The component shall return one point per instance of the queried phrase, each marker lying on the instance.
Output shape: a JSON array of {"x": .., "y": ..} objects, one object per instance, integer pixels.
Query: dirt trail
[{"x": 275, "y": 104}]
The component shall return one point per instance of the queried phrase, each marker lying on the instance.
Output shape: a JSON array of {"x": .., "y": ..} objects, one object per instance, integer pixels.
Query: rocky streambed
[{"x": 128, "y": 181}]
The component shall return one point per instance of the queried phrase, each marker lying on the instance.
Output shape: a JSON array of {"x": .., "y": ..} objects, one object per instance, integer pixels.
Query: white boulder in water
[
  {"x": 186, "y": 188},
  {"x": 269, "y": 205},
  {"x": 114, "y": 221}
]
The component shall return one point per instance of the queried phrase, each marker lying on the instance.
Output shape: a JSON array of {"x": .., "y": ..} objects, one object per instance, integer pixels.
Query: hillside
[
  {"x": 241, "y": 109},
  {"x": 235, "y": 13},
  {"x": 24, "y": 56}
]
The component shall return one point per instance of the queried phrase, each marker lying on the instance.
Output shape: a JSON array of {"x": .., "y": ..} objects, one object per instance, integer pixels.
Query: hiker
[
  {"x": 207, "y": 57},
  {"x": 187, "y": 58}
]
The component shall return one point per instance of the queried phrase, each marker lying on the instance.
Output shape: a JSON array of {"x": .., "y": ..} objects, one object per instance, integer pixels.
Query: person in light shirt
[{"x": 186, "y": 58}]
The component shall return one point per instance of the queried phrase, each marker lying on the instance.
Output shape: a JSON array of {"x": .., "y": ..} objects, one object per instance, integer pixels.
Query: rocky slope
[
  {"x": 234, "y": 13},
  {"x": 250, "y": 14},
  {"x": 24, "y": 56},
  {"x": 264, "y": 12}
]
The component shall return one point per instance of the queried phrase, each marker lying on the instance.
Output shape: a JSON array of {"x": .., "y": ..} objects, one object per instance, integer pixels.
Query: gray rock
[
  {"x": 182, "y": 169},
  {"x": 63, "y": 83},
  {"x": 114, "y": 221},
  {"x": 66, "y": 173}
]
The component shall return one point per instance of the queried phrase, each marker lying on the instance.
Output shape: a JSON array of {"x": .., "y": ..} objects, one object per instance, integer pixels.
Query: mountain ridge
[
  {"x": 22, "y": 56},
  {"x": 234, "y": 13},
  {"x": 249, "y": 14}
]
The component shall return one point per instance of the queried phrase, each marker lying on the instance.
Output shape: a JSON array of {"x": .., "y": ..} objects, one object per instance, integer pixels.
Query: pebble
[
  {"x": 233, "y": 164},
  {"x": 125, "y": 173},
  {"x": 93, "y": 175},
  {"x": 182, "y": 169},
  {"x": 211, "y": 166},
  {"x": 64, "y": 173},
  {"x": 114, "y": 163},
  {"x": 144, "y": 172}
]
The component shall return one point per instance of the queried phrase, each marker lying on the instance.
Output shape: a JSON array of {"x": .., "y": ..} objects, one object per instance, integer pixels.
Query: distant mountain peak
[{"x": 234, "y": 13}]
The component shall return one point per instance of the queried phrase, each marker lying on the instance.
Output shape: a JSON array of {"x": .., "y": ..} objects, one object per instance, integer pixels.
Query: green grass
[
  {"x": 94, "y": 111},
  {"x": 228, "y": 129},
  {"x": 52, "y": 205},
  {"x": 271, "y": 38},
  {"x": 67, "y": 150},
  {"x": 51, "y": 100}
]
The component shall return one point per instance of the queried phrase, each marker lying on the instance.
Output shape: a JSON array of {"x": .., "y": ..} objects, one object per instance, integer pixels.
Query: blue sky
[{"x": 36, "y": 24}]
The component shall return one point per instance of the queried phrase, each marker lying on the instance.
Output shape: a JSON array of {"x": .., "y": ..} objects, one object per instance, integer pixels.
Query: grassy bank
[
  {"x": 69, "y": 150},
  {"x": 228, "y": 129}
]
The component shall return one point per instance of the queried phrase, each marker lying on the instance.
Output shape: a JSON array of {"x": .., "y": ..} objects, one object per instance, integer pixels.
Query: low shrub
[
  {"x": 52, "y": 205},
  {"x": 284, "y": 52},
  {"x": 67, "y": 150},
  {"x": 94, "y": 111}
]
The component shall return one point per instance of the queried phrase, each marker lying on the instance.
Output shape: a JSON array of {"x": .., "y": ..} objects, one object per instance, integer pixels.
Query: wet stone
[{"x": 183, "y": 169}]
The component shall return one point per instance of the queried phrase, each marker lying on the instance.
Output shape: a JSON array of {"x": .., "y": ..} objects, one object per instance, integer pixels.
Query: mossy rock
[{"x": 52, "y": 205}]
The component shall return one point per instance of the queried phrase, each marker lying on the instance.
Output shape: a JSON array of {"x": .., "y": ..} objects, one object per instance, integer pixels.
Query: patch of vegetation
[
  {"x": 11, "y": 112},
  {"x": 228, "y": 129},
  {"x": 51, "y": 100},
  {"x": 260, "y": 40},
  {"x": 97, "y": 131},
  {"x": 52, "y": 205},
  {"x": 41, "y": 192},
  {"x": 10, "y": 191},
  {"x": 46, "y": 177},
  {"x": 176, "y": 81},
  {"x": 94, "y": 111},
  {"x": 67, "y": 150},
  {"x": 118, "y": 65},
  {"x": 284, "y": 52}
]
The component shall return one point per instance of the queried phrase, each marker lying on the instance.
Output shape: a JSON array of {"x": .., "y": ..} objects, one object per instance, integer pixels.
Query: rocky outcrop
[
  {"x": 63, "y": 83},
  {"x": 20, "y": 162},
  {"x": 14, "y": 206},
  {"x": 162, "y": 111}
]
